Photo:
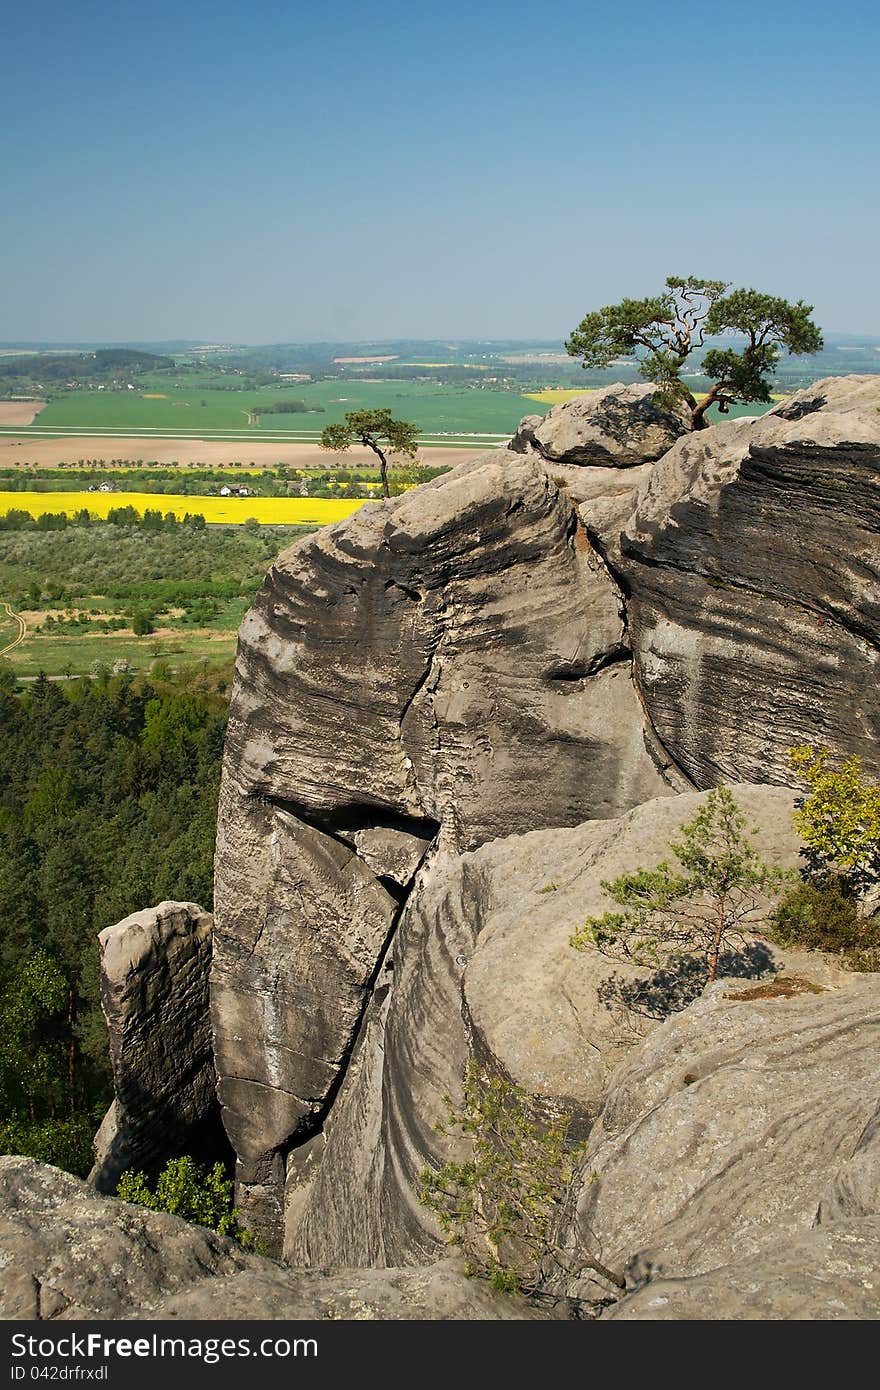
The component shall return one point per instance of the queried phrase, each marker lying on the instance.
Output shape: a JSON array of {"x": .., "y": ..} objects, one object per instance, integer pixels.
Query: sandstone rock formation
[
  {"x": 442, "y": 669},
  {"x": 733, "y": 1130},
  {"x": 435, "y": 749},
  {"x": 155, "y": 968},
  {"x": 483, "y": 967},
  {"x": 752, "y": 572},
  {"x": 829, "y": 1273},
  {"x": 71, "y": 1254},
  {"x": 616, "y": 427}
]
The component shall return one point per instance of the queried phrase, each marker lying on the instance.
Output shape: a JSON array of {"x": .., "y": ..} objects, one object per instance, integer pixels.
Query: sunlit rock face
[
  {"x": 430, "y": 674},
  {"x": 752, "y": 570}
]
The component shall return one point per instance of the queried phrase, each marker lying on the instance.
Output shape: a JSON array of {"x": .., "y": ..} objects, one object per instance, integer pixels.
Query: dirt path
[
  {"x": 212, "y": 453},
  {"x": 22, "y": 630}
]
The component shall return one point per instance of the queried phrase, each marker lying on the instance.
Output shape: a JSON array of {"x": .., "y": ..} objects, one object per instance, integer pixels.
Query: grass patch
[
  {"x": 204, "y": 412},
  {"x": 783, "y": 987},
  {"x": 195, "y": 586},
  {"x": 85, "y": 655}
]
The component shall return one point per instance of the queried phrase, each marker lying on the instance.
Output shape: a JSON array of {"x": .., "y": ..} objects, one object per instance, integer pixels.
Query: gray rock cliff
[
  {"x": 483, "y": 967},
  {"x": 434, "y": 672},
  {"x": 454, "y": 714},
  {"x": 155, "y": 970},
  {"x": 68, "y": 1253},
  {"x": 751, "y": 566},
  {"x": 737, "y": 1127}
]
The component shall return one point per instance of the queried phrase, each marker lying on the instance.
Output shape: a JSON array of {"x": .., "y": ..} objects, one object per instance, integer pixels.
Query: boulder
[
  {"x": 68, "y": 1253},
  {"x": 736, "y": 1127},
  {"x": 483, "y": 968},
  {"x": 615, "y": 427},
  {"x": 752, "y": 569},
  {"x": 524, "y": 439},
  {"x": 434, "y": 672},
  {"x": 155, "y": 971}
]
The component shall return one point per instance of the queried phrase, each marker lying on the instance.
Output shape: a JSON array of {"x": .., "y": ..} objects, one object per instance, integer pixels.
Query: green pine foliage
[
  {"x": 669, "y": 915},
  {"x": 662, "y": 331},
  {"x": 504, "y": 1205},
  {"x": 376, "y": 430}
]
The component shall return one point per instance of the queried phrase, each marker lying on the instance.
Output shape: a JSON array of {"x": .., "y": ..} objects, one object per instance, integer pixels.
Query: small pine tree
[
  {"x": 376, "y": 430},
  {"x": 504, "y": 1206},
  {"x": 670, "y": 916}
]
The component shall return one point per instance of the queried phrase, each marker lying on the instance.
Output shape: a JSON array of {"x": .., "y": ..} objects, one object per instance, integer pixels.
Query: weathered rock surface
[
  {"x": 752, "y": 569},
  {"x": 408, "y": 677},
  {"x": 453, "y": 668},
  {"x": 155, "y": 970},
  {"x": 67, "y": 1253},
  {"x": 616, "y": 427},
  {"x": 829, "y": 1273},
  {"x": 736, "y": 1127},
  {"x": 483, "y": 967},
  {"x": 524, "y": 439}
]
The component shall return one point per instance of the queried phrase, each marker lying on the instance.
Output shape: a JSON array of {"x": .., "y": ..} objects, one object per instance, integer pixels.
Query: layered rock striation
[
  {"x": 751, "y": 566},
  {"x": 736, "y": 1156},
  {"x": 456, "y": 694},
  {"x": 155, "y": 970},
  {"x": 484, "y": 968},
  {"x": 429, "y": 675}
]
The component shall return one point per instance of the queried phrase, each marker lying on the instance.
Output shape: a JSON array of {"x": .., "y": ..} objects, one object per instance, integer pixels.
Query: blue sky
[{"x": 285, "y": 172}]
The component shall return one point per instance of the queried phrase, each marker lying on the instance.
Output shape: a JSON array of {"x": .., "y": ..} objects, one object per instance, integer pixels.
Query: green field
[
  {"x": 439, "y": 411},
  {"x": 451, "y": 415},
  {"x": 81, "y": 656},
  {"x": 195, "y": 586}
]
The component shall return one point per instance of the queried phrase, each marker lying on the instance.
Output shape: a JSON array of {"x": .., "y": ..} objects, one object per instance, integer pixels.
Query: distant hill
[{"x": 102, "y": 365}]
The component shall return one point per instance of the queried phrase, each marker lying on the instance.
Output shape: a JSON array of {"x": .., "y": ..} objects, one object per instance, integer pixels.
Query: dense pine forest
[{"x": 108, "y": 802}]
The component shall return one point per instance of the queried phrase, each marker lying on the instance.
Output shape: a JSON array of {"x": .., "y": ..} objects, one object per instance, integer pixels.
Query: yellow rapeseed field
[
  {"x": 270, "y": 511},
  {"x": 557, "y": 397},
  {"x": 553, "y": 397}
]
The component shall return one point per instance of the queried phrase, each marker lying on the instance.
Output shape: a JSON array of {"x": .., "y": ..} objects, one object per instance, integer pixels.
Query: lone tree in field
[
  {"x": 376, "y": 430},
  {"x": 670, "y": 916},
  {"x": 661, "y": 332}
]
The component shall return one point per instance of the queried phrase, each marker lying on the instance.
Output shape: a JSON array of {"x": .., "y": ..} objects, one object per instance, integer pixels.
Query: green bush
[
  {"x": 840, "y": 819},
  {"x": 824, "y": 916},
  {"x": 186, "y": 1189},
  {"x": 142, "y": 623}
]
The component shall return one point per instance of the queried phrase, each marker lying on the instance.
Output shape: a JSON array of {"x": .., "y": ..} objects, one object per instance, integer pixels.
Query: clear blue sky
[{"x": 283, "y": 172}]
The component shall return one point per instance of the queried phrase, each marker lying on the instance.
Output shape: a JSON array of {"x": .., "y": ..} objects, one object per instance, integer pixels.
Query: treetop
[{"x": 661, "y": 332}]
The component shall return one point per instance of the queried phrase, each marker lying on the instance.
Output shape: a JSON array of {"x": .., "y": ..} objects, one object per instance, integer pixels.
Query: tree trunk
[
  {"x": 71, "y": 1052},
  {"x": 716, "y": 944},
  {"x": 698, "y": 414},
  {"x": 383, "y": 471},
  {"x": 616, "y": 1279}
]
